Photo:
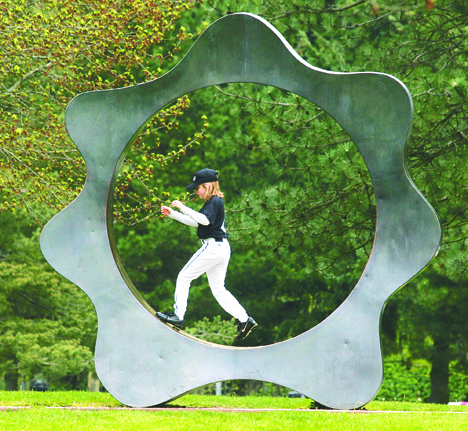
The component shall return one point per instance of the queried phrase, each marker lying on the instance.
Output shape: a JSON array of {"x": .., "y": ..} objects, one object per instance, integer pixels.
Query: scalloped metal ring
[{"x": 338, "y": 363}]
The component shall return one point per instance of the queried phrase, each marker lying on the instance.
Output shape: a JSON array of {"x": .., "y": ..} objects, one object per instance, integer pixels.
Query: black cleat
[
  {"x": 170, "y": 318},
  {"x": 245, "y": 328}
]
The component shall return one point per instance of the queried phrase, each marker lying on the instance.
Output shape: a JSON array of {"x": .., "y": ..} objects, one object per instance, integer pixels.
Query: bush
[
  {"x": 410, "y": 381},
  {"x": 405, "y": 381}
]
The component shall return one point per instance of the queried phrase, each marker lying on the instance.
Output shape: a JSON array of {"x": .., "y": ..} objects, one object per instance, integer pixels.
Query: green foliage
[
  {"x": 403, "y": 383},
  {"x": 47, "y": 325},
  {"x": 410, "y": 381},
  {"x": 214, "y": 331},
  {"x": 51, "y": 51},
  {"x": 43, "y": 347},
  {"x": 458, "y": 382}
]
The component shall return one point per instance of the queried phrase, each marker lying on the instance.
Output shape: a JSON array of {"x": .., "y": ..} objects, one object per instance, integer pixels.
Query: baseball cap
[{"x": 203, "y": 176}]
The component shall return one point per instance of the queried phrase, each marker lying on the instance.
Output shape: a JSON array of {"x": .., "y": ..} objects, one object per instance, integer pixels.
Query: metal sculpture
[{"x": 338, "y": 363}]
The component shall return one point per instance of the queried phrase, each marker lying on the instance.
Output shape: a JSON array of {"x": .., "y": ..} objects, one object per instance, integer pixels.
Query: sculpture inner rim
[{"x": 293, "y": 137}]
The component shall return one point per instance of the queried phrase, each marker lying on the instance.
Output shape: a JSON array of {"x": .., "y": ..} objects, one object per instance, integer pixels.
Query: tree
[
  {"x": 433, "y": 319},
  {"x": 47, "y": 324},
  {"x": 52, "y": 50}
]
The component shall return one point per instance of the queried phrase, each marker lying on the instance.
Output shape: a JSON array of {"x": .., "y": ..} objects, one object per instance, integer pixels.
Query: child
[{"x": 213, "y": 256}]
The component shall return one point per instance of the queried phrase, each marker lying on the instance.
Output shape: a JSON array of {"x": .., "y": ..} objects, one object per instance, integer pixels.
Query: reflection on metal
[{"x": 338, "y": 363}]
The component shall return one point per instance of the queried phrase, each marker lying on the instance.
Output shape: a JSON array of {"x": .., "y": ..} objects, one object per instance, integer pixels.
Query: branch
[
  {"x": 347, "y": 7},
  {"x": 320, "y": 11},
  {"x": 26, "y": 77},
  {"x": 373, "y": 19}
]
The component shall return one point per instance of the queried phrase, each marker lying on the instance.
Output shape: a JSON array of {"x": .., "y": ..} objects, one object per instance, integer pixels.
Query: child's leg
[
  {"x": 216, "y": 276},
  {"x": 198, "y": 264}
]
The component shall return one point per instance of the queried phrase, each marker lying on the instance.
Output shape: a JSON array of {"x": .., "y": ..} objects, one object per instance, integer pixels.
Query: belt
[{"x": 207, "y": 240}]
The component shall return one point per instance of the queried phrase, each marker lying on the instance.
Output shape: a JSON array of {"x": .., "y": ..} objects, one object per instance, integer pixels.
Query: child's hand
[
  {"x": 177, "y": 204},
  {"x": 165, "y": 210}
]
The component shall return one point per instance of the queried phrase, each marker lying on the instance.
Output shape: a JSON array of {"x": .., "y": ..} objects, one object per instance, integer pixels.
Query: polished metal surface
[{"x": 338, "y": 363}]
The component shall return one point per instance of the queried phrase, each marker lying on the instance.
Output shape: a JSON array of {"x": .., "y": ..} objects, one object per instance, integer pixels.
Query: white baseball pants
[{"x": 213, "y": 259}]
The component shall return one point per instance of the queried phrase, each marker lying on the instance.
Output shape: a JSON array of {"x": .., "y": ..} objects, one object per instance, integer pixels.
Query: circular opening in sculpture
[{"x": 300, "y": 208}]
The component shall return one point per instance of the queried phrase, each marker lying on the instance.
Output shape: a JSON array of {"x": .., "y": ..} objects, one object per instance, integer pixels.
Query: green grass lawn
[{"x": 40, "y": 416}]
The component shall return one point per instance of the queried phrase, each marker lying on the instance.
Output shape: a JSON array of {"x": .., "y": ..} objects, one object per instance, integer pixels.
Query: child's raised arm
[{"x": 199, "y": 218}]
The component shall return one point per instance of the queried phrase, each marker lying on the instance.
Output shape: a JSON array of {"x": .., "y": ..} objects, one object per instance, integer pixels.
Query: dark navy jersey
[{"x": 214, "y": 212}]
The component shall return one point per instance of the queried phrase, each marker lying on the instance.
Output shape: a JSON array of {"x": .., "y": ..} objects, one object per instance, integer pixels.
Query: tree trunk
[
  {"x": 11, "y": 381},
  {"x": 440, "y": 372},
  {"x": 93, "y": 382}
]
